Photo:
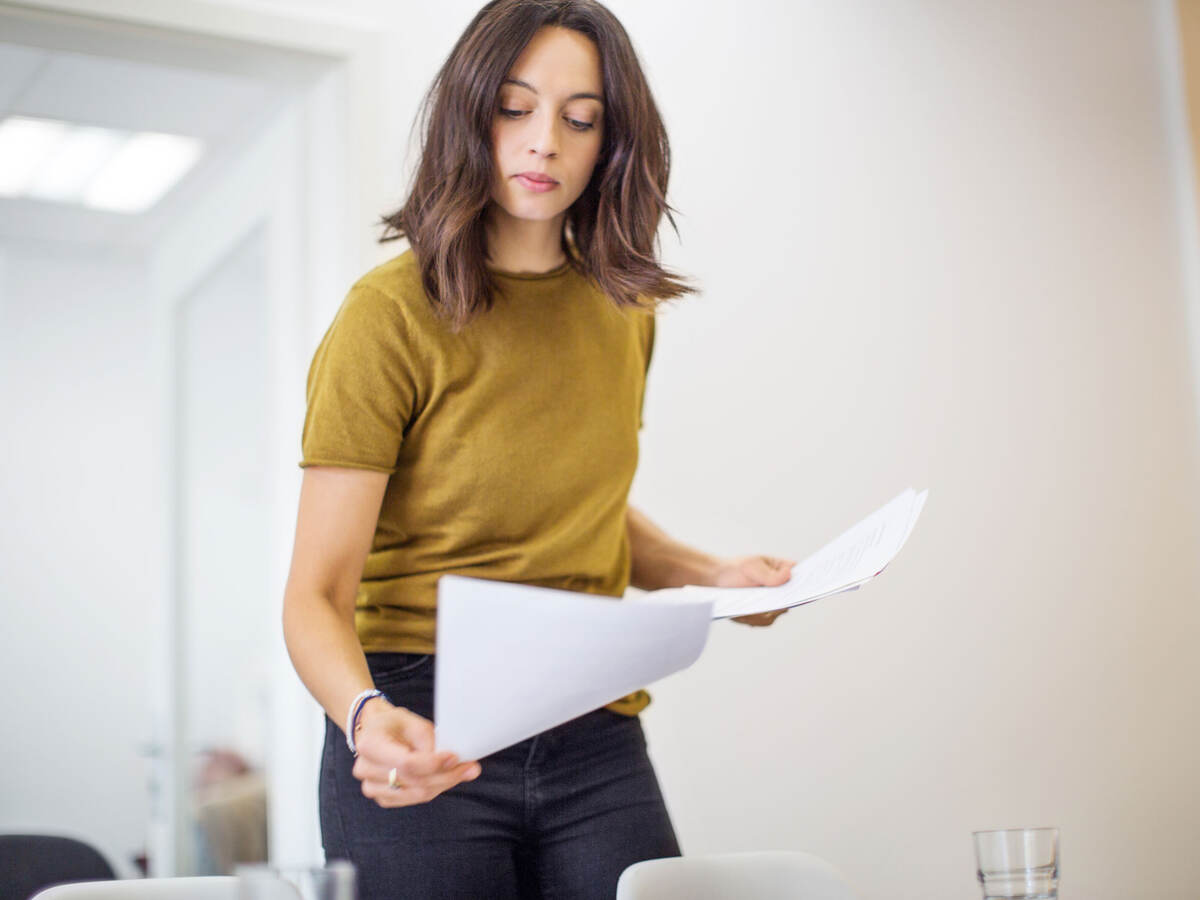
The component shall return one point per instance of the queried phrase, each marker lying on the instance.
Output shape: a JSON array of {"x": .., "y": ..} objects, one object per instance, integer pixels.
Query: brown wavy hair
[{"x": 610, "y": 233}]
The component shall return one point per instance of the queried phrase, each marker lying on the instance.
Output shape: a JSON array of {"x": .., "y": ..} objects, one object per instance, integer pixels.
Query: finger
[
  {"x": 412, "y": 765},
  {"x": 375, "y": 767},
  {"x": 409, "y": 763},
  {"x": 420, "y": 790},
  {"x": 784, "y": 567},
  {"x": 768, "y": 572},
  {"x": 467, "y": 771},
  {"x": 401, "y": 795},
  {"x": 439, "y": 782},
  {"x": 761, "y": 619},
  {"x": 755, "y": 619}
]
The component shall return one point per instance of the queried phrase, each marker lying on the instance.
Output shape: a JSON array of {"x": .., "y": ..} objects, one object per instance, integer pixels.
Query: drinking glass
[
  {"x": 335, "y": 881},
  {"x": 1018, "y": 863}
]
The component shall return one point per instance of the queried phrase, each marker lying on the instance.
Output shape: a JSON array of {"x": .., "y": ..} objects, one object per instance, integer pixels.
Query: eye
[{"x": 574, "y": 123}]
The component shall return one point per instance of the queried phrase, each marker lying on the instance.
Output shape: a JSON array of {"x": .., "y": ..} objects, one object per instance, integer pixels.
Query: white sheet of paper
[
  {"x": 513, "y": 660},
  {"x": 844, "y": 564}
]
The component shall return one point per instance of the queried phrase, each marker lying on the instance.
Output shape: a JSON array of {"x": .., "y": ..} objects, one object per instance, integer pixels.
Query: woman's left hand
[{"x": 755, "y": 571}]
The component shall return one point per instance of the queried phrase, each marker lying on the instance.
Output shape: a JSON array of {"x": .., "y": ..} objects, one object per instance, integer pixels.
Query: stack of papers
[
  {"x": 514, "y": 660},
  {"x": 844, "y": 564}
]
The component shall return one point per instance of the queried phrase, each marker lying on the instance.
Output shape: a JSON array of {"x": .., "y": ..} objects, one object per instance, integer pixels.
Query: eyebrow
[{"x": 582, "y": 95}]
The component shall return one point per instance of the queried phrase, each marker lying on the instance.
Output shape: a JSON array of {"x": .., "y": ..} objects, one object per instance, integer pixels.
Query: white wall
[
  {"x": 938, "y": 247},
  {"x": 957, "y": 268},
  {"x": 79, "y": 568},
  {"x": 226, "y": 515}
]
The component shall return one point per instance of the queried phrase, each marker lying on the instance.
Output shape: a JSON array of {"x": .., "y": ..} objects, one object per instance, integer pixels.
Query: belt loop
[{"x": 533, "y": 747}]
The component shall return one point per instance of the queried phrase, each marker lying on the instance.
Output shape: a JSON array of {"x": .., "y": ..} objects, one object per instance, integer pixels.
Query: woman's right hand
[{"x": 391, "y": 737}]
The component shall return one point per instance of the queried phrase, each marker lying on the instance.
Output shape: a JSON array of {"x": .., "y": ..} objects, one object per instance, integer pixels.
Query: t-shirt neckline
[{"x": 534, "y": 276}]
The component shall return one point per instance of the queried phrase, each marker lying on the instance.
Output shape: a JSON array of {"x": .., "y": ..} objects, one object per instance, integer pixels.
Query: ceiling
[{"x": 137, "y": 79}]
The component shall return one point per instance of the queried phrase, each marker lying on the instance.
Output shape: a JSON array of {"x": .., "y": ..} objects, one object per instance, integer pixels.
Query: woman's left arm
[{"x": 659, "y": 561}]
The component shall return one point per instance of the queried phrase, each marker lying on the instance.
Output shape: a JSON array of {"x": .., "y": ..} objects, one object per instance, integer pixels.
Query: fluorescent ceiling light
[
  {"x": 96, "y": 167},
  {"x": 24, "y": 145},
  {"x": 144, "y": 169},
  {"x": 74, "y": 162}
]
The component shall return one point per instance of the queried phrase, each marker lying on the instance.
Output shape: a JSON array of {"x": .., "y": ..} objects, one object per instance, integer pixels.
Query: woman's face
[{"x": 549, "y": 121}]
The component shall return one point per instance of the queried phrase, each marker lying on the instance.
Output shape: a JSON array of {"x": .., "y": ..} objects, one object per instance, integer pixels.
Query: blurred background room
[{"x": 945, "y": 243}]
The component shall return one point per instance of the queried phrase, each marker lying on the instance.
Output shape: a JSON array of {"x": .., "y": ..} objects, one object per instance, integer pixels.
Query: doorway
[{"x": 154, "y": 366}]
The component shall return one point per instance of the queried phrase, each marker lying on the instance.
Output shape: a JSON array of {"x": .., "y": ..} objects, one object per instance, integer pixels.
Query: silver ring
[{"x": 392, "y": 782}]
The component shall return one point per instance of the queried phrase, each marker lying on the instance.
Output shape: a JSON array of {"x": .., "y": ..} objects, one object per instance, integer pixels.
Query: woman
[{"x": 474, "y": 408}]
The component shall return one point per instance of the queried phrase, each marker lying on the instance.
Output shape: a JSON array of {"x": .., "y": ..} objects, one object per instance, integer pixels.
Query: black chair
[{"x": 30, "y": 862}]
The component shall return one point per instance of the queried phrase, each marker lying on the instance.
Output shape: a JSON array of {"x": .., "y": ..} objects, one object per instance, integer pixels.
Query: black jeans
[{"x": 557, "y": 816}]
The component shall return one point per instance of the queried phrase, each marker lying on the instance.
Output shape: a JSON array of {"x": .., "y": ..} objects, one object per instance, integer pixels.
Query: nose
[{"x": 543, "y": 139}]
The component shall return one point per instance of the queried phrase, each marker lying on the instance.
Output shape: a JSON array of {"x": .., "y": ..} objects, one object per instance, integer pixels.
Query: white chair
[
  {"x": 760, "y": 875},
  {"x": 210, "y": 887}
]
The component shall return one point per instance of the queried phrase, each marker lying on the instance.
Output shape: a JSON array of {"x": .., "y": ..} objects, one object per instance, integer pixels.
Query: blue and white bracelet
[{"x": 352, "y": 717}]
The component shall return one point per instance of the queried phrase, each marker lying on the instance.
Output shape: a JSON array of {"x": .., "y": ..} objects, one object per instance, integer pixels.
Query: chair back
[
  {"x": 761, "y": 875},
  {"x": 207, "y": 887},
  {"x": 30, "y": 862}
]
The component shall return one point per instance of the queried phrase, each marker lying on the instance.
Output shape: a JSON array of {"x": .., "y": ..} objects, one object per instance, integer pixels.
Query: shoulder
[
  {"x": 390, "y": 294},
  {"x": 389, "y": 305},
  {"x": 398, "y": 278}
]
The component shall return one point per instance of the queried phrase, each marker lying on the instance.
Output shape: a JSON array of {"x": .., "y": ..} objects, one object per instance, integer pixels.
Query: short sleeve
[
  {"x": 362, "y": 386},
  {"x": 647, "y": 335}
]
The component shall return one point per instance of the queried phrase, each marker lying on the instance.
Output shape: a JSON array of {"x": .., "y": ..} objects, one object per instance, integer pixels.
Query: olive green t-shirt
[{"x": 511, "y": 445}]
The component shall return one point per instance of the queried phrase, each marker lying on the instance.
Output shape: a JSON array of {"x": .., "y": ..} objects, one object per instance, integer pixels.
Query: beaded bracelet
[{"x": 356, "y": 708}]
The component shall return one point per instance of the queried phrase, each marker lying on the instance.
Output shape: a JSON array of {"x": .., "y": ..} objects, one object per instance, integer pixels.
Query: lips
[{"x": 529, "y": 183}]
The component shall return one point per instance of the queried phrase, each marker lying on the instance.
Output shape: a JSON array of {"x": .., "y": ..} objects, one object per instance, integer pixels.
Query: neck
[{"x": 523, "y": 245}]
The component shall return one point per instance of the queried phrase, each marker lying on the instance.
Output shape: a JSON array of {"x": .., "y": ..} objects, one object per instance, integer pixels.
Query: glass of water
[
  {"x": 335, "y": 881},
  {"x": 1018, "y": 863}
]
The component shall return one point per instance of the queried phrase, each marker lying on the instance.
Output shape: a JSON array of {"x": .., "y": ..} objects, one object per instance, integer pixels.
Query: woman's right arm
[{"x": 334, "y": 527}]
